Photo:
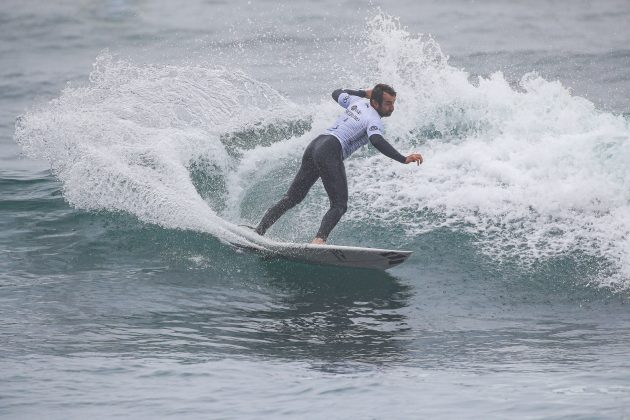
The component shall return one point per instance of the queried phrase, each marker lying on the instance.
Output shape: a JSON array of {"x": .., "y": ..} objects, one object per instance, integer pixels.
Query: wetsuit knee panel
[{"x": 340, "y": 207}]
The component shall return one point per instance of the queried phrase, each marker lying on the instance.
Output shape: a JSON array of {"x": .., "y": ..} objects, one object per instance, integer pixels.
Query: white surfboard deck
[{"x": 339, "y": 255}]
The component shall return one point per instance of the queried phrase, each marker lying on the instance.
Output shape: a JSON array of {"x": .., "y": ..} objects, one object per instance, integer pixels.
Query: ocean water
[{"x": 131, "y": 132}]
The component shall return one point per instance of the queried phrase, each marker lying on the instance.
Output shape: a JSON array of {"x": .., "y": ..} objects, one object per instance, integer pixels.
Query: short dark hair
[{"x": 378, "y": 90}]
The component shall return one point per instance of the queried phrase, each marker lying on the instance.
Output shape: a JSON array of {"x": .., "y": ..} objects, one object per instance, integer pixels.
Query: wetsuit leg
[
  {"x": 302, "y": 183},
  {"x": 329, "y": 161}
]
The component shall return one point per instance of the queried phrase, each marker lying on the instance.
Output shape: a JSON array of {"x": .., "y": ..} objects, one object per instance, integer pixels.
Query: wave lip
[{"x": 531, "y": 171}]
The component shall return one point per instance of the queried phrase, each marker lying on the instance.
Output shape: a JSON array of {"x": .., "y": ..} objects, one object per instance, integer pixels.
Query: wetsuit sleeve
[
  {"x": 385, "y": 148},
  {"x": 344, "y": 96}
]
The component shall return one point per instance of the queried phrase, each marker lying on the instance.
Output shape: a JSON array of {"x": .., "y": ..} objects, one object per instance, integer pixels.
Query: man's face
[{"x": 386, "y": 108}]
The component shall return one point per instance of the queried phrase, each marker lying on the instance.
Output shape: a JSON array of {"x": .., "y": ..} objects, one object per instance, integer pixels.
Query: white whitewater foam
[
  {"x": 530, "y": 171},
  {"x": 125, "y": 141}
]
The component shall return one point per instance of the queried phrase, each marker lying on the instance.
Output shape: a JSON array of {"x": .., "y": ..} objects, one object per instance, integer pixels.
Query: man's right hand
[{"x": 414, "y": 157}]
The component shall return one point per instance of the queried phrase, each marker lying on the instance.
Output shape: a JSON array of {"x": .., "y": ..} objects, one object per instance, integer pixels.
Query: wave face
[{"x": 529, "y": 172}]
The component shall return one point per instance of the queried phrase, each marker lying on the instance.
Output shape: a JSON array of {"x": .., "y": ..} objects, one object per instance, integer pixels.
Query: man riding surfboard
[{"x": 324, "y": 156}]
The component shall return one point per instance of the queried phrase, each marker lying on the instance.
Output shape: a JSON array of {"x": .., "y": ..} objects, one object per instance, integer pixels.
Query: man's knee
[{"x": 341, "y": 208}]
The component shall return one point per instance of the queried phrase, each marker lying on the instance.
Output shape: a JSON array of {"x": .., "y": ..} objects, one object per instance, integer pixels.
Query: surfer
[{"x": 324, "y": 156}]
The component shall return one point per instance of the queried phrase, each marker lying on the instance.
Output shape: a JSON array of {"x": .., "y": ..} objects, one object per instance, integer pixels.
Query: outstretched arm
[
  {"x": 388, "y": 150},
  {"x": 359, "y": 93}
]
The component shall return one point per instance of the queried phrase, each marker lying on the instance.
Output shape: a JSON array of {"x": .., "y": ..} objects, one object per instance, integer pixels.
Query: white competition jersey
[{"x": 354, "y": 126}]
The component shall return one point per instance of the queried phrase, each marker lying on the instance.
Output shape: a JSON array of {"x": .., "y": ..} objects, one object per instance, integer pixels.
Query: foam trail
[{"x": 125, "y": 141}]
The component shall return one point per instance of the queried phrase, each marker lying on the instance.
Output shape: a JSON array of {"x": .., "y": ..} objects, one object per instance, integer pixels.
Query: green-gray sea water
[{"x": 131, "y": 132}]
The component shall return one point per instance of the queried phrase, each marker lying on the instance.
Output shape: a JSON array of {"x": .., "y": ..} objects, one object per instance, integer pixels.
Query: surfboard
[{"x": 339, "y": 255}]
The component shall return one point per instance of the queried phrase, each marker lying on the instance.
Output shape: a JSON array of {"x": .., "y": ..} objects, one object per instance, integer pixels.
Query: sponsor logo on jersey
[
  {"x": 355, "y": 109},
  {"x": 350, "y": 114},
  {"x": 373, "y": 128}
]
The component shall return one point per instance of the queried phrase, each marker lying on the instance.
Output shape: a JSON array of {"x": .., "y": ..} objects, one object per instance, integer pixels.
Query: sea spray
[
  {"x": 529, "y": 172},
  {"x": 126, "y": 141}
]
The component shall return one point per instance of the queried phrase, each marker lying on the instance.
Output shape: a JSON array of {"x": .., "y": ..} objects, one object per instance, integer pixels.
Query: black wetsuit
[{"x": 323, "y": 158}]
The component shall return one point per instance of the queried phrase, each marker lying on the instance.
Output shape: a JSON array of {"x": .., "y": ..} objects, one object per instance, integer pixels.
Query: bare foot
[{"x": 318, "y": 241}]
